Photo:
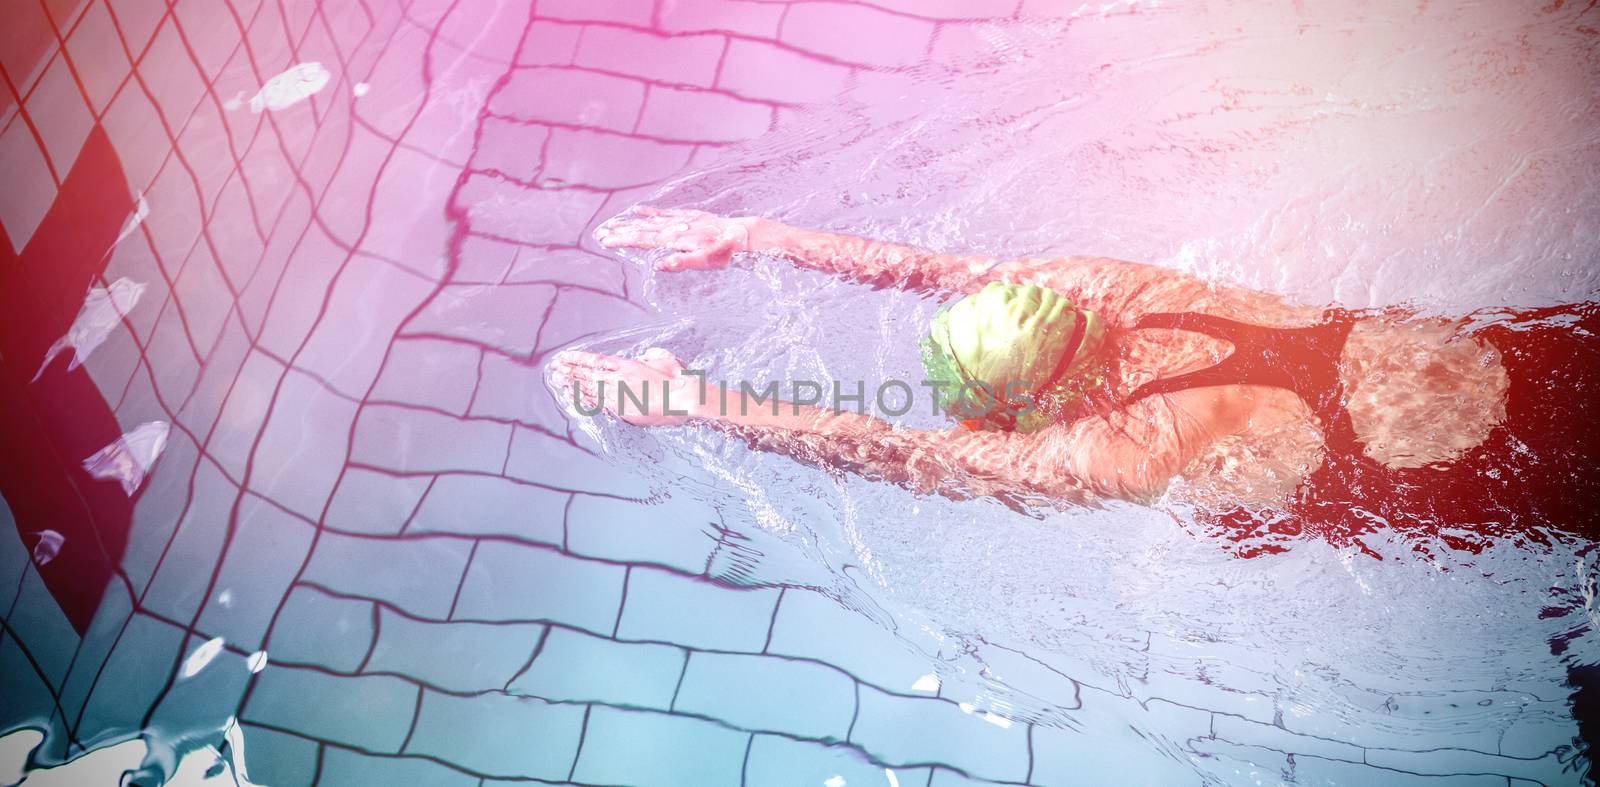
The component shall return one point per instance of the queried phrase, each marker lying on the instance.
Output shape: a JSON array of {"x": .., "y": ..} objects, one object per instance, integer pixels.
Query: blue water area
[{"x": 291, "y": 495}]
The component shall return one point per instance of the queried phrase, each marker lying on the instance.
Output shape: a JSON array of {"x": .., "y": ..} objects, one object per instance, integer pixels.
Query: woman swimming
[{"x": 1083, "y": 378}]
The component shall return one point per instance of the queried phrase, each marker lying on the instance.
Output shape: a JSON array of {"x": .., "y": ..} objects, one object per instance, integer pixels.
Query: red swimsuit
[{"x": 1537, "y": 475}]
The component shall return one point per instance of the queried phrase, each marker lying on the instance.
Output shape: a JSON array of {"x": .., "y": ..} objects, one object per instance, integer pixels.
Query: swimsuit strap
[{"x": 1304, "y": 360}]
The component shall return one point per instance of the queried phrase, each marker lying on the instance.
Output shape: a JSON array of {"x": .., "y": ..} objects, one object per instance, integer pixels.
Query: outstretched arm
[
  {"x": 705, "y": 241},
  {"x": 1120, "y": 291},
  {"x": 1131, "y": 454}
]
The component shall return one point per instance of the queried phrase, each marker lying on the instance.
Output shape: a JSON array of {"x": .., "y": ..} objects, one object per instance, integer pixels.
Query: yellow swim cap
[{"x": 1012, "y": 356}]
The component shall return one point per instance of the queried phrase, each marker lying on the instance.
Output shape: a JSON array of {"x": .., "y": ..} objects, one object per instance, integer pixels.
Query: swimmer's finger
[
  {"x": 578, "y": 361},
  {"x": 710, "y": 258},
  {"x": 661, "y": 360},
  {"x": 677, "y": 214}
]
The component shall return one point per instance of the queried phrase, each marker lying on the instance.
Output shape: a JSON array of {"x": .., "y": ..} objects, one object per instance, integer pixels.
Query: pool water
[{"x": 338, "y": 528}]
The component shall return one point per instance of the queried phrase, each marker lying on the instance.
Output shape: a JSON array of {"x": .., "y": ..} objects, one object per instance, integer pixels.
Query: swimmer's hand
[
  {"x": 704, "y": 241},
  {"x": 656, "y": 377}
]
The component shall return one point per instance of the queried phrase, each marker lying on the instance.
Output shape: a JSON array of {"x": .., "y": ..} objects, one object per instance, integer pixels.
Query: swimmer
[{"x": 1140, "y": 382}]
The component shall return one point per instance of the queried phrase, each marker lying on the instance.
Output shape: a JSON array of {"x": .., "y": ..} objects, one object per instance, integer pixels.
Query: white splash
[
  {"x": 234, "y": 102},
  {"x": 130, "y": 458},
  {"x": 894, "y": 781},
  {"x": 291, "y": 87},
  {"x": 14, "y": 750},
  {"x": 141, "y": 211},
  {"x": 201, "y": 657},
  {"x": 360, "y": 89},
  {"x": 928, "y": 683},
  {"x": 233, "y": 741},
  {"x": 833, "y": 781},
  {"x": 257, "y": 661},
  {"x": 102, "y": 309},
  {"x": 997, "y": 720},
  {"x": 225, "y": 598},
  {"x": 48, "y": 547}
]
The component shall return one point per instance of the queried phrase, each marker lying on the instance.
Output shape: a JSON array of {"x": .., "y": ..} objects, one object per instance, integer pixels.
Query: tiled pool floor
[{"x": 348, "y": 301}]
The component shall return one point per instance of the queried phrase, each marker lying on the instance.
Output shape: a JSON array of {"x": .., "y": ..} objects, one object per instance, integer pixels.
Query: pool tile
[
  {"x": 311, "y": 264},
  {"x": 116, "y": 610},
  {"x": 677, "y": 532},
  {"x": 500, "y": 208},
  {"x": 702, "y": 116},
  {"x": 38, "y": 622},
  {"x": 571, "y": 97},
  {"x": 1537, "y": 731},
  {"x": 238, "y": 247},
  {"x": 204, "y": 695},
  {"x": 175, "y": 83},
  {"x": 14, "y": 556},
  {"x": 244, "y": 412},
  {"x": 216, "y": 378},
  {"x": 172, "y": 358},
  {"x": 633, "y": 12},
  {"x": 367, "y": 501},
  {"x": 322, "y": 630},
  {"x": 511, "y": 149},
  {"x": 581, "y": 313},
  {"x": 1250, "y": 733},
  {"x": 346, "y": 768},
  {"x": 429, "y": 372},
  {"x": 856, "y": 33},
  {"x": 916, "y": 731},
  {"x": 303, "y": 445},
  {"x": 686, "y": 59},
  {"x": 418, "y": 575},
  {"x": 695, "y": 613},
  {"x": 648, "y": 749},
  {"x": 30, "y": 190},
  {"x": 769, "y": 693},
  {"x": 411, "y": 199},
  {"x": 1332, "y": 773},
  {"x": 134, "y": 674},
  {"x": 370, "y": 301},
  {"x": 278, "y": 758},
  {"x": 1067, "y": 756},
  {"x": 27, "y": 696},
  {"x": 504, "y": 317},
  {"x": 732, "y": 16},
  {"x": 58, "y": 111},
  {"x": 267, "y": 551},
  {"x": 772, "y": 72},
  {"x": 489, "y": 505},
  {"x": 811, "y": 625},
  {"x": 201, "y": 22},
  {"x": 1451, "y": 762},
  {"x": 542, "y": 458},
  {"x": 944, "y": 777},
  {"x": 409, "y": 440},
  {"x": 550, "y": 43},
  {"x": 509, "y": 582},
  {"x": 579, "y": 267},
  {"x": 1028, "y": 677},
  {"x": 498, "y": 734},
  {"x": 460, "y": 657},
  {"x": 514, "y": 390},
  {"x": 134, "y": 128},
  {"x": 576, "y": 667},
  {"x": 487, "y": 30},
  {"x": 604, "y": 160},
  {"x": 371, "y": 712},
  {"x": 778, "y": 760},
  {"x": 179, "y": 585},
  {"x": 98, "y": 56},
  {"x": 136, "y": 21}
]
